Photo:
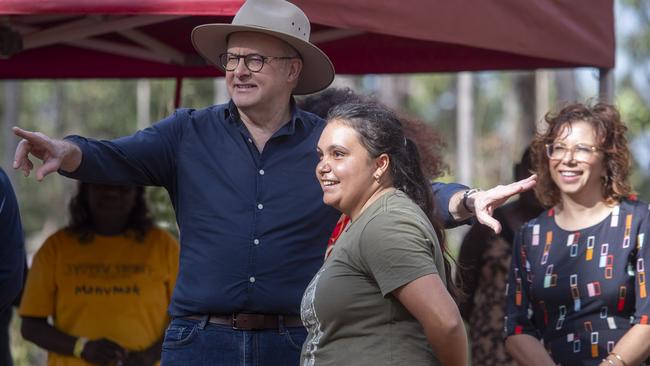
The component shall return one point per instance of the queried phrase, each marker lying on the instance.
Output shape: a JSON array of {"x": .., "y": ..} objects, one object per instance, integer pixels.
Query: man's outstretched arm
[{"x": 463, "y": 204}]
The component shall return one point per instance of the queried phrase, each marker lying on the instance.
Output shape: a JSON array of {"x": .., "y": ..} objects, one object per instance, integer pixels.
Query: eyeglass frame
[
  {"x": 265, "y": 60},
  {"x": 572, "y": 149}
]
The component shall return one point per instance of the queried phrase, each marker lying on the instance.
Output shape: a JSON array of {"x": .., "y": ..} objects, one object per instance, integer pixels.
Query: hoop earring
[{"x": 377, "y": 177}]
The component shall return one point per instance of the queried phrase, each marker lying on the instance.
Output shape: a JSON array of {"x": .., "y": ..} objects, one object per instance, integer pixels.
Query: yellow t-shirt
[{"x": 113, "y": 287}]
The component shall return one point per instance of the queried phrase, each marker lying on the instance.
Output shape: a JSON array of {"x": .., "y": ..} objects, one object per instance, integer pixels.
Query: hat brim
[{"x": 210, "y": 40}]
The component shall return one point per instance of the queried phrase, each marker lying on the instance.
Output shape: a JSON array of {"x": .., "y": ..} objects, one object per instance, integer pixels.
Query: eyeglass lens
[
  {"x": 253, "y": 62},
  {"x": 579, "y": 152}
]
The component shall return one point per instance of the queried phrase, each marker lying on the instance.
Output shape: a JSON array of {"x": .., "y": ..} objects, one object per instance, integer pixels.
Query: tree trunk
[
  {"x": 143, "y": 104},
  {"x": 465, "y": 128},
  {"x": 542, "y": 104},
  {"x": 565, "y": 86},
  {"x": 220, "y": 91}
]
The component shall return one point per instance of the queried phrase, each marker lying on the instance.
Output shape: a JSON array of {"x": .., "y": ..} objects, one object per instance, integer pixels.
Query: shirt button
[
  {"x": 251, "y": 279},
  {"x": 260, "y": 206},
  {"x": 261, "y": 171},
  {"x": 256, "y": 241},
  {"x": 250, "y": 140}
]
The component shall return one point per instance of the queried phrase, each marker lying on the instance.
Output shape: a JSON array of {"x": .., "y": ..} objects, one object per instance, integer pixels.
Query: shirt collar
[{"x": 297, "y": 117}]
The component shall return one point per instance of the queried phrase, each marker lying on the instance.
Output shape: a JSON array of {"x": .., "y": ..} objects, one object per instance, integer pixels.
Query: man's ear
[{"x": 295, "y": 67}]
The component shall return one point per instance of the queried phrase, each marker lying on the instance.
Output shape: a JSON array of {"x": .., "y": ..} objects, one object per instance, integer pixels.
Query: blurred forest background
[{"x": 505, "y": 107}]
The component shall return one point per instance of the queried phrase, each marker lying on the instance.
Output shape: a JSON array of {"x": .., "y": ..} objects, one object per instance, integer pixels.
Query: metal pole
[{"x": 606, "y": 85}]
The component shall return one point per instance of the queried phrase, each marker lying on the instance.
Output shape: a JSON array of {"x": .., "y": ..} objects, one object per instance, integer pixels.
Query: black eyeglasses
[
  {"x": 254, "y": 62},
  {"x": 580, "y": 152}
]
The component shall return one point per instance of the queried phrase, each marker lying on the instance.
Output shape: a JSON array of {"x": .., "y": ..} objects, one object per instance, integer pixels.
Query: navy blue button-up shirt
[{"x": 253, "y": 226}]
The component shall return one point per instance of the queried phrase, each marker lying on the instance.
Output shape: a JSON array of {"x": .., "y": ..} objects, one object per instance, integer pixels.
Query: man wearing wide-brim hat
[
  {"x": 253, "y": 227},
  {"x": 278, "y": 19}
]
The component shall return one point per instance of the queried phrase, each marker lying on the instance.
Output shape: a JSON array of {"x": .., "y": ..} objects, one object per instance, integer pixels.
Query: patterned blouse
[{"x": 580, "y": 291}]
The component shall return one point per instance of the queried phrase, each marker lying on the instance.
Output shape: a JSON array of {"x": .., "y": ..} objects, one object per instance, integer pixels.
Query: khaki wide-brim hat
[{"x": 279, "y": 19}]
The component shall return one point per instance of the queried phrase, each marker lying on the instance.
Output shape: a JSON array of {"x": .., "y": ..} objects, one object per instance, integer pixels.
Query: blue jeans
[{"x": 195, "y": 343}]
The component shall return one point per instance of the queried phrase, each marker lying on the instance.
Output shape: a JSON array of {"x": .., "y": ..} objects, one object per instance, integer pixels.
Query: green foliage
[
  {"x": 24, "y": 353},
  {"x": 637, "y": 44},
  {"x": 634, "y": 112},
  {"x": 198, "y": 93},
  {"x": 633, "y": 95},
  {"x": 433, "y": 98}
]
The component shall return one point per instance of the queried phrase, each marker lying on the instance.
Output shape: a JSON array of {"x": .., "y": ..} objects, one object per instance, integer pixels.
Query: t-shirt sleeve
[
  {"x": 396, "y": 250},
  {"x": 39, "y": 295},
  {"x": 518, "y": 318},
  {"x": 642, "y": 304}
]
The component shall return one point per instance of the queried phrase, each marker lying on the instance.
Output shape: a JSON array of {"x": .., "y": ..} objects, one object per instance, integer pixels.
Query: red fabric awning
[{"x": 151, "y": 38}]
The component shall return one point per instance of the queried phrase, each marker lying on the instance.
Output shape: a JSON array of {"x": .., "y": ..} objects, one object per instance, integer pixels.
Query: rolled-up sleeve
[{"x": 442, "y": 193}]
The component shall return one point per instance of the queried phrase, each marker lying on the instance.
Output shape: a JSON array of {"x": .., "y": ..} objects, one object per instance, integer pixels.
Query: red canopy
[{"x": 151, "y": 38}]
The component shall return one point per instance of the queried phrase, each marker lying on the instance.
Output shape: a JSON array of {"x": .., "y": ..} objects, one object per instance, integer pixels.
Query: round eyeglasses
[
  {"x": 253, "y": 61},
  {"x": 579, "y": 152}
]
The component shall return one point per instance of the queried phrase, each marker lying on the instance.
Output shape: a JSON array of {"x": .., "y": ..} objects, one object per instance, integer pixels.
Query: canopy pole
[
  {"x": 177, "y": 92},
  {"x": 606, "y": 85}
]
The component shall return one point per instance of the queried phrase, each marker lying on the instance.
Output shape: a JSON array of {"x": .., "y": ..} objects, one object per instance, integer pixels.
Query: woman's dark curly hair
[
  {"x": 81, "y": 220},
  {"x": 430, "y": 145},
  {"x": 610, "y": 134}
]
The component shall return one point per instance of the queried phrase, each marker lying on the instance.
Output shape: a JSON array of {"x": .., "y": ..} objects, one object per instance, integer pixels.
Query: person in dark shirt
[
  {"x": 12, "y": 247},
  {"x": 12, "y": 261},
  {"x": 253, "y": 227}
]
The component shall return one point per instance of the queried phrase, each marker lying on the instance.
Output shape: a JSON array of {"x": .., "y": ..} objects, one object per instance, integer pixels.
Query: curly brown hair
[{"x": 610, "y": 132}]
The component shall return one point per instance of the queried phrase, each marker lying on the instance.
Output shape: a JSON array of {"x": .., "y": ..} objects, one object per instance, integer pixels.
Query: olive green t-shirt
[{"x": 348, "y": 309}]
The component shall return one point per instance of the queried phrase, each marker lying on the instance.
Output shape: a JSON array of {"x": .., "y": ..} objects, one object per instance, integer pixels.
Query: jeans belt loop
[
  {"x": 234, "y": 321},
  {"x": 204, "y": 321},
  {"x": 281, "y": 327}
]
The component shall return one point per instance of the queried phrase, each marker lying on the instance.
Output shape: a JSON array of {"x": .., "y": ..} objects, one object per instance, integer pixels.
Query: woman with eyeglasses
[{"x": 577, "y": 292}]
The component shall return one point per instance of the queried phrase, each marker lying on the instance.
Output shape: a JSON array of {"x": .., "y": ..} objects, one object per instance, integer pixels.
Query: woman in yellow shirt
[{"x": 105, "y": 280}]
